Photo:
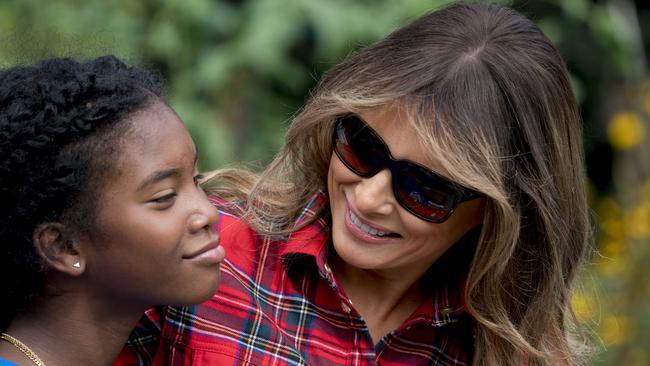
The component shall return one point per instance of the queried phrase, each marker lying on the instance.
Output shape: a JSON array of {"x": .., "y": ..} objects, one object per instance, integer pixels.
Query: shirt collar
[{"x": 309, "y": 240}]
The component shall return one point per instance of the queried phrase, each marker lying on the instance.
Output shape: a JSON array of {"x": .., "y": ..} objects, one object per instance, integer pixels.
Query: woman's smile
[{"x": 368, "y": 232}]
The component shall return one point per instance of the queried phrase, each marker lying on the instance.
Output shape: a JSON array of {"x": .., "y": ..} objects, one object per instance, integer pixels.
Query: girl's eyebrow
[{"x": 157, "y": 176}]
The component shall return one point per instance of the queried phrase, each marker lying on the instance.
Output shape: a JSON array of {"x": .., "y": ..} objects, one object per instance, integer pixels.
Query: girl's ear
[{"x": 56, "y": 248}]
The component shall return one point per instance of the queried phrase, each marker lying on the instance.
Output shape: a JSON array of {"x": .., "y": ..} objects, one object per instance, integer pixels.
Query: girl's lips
[
  {"x": 357, "y": 232},
  {"x": 214, "y": 255},
  {"x": 209, "y": 253}
]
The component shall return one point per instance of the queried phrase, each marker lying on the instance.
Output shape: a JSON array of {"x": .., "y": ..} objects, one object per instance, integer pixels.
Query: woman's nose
[{"x": 375, "y": 194}]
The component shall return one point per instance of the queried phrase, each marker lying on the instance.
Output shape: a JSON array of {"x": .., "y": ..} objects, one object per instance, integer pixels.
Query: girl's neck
[{"x": 69, "y": 330}]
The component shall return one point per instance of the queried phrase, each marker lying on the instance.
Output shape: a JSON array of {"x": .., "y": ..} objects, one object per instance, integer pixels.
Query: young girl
[
  {"x": 428, "y": 208},
  {"x": 102, "y": 216}
]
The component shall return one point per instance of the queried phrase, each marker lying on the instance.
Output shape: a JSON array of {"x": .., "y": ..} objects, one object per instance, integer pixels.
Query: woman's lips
[{"x": 365, "y": 232}]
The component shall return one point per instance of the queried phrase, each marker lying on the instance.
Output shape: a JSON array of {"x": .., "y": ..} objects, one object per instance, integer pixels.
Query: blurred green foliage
[{"x": 237, "y": 70}]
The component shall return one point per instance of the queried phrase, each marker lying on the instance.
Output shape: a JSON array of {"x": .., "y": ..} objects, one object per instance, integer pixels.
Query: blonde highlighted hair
[{"x": 490, "y": 97}]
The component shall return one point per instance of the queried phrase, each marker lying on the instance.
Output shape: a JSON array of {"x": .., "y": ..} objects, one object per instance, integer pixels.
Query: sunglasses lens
[
  {"x": 419, "y": 190},
  {"x": 423, "y": 194},
  {"x": 358, "y": 147}
]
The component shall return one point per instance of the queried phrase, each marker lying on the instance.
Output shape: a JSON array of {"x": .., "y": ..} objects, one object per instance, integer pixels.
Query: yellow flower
[
  {"x": 637, "y": 222},
  {"x": 583, "y": 306},
  {"x": 613, "y": 228},
  {"x": 613, "y": 260},
  {"x": 615, "y": 330},
  {"x": 611, "y": 249},
  {"x": 612, "y": 266},
  {"x": 626, "y": 130},
  {"x": 607, "y": 208}
]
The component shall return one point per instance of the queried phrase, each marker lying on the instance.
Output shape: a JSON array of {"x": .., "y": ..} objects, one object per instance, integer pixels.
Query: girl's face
[
  {"x": 156, "y": 243},
  {"x": 363, "y": 206}
]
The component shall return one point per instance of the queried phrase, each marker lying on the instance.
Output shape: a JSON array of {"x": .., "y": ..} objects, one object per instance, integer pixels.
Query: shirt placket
[{"x": 362, "y": 342}]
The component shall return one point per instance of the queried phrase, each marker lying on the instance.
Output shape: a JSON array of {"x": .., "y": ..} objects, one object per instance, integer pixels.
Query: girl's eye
[{"x": 165, "y": 200}]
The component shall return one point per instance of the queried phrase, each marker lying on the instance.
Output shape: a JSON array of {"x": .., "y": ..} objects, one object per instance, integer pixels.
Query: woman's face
[
  {"x": 362, "y": 206},
  {"x": 156, "y": 242}
]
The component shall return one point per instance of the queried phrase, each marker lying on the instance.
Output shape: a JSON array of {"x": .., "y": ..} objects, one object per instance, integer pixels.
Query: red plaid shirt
[{"x": 279, "y": 304}]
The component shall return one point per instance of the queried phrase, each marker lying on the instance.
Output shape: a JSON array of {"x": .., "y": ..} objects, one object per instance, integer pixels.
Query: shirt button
[{"x": 345, "y": 308}]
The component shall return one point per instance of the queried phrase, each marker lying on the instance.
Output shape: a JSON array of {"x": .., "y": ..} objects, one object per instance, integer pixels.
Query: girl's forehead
[{"x": 156, "y": 139}]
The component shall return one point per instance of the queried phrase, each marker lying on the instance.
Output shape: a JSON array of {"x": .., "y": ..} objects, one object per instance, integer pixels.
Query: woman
[
  {"x": 427, "y": 209},
  {"x": 100, "y": 207}
]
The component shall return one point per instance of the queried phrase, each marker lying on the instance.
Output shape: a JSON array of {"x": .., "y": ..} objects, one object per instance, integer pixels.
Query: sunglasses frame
[{"x": 462, "y": 194}]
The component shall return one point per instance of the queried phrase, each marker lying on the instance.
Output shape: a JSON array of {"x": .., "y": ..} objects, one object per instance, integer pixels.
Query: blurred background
[{"x": 237, "y": 70}]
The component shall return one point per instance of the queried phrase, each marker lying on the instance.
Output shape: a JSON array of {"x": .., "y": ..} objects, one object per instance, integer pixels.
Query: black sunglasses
[{"x": 419, "y": 190}]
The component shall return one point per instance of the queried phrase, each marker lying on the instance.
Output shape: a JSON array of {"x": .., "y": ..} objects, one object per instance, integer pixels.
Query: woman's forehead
[{"x": 395, "y": 126}]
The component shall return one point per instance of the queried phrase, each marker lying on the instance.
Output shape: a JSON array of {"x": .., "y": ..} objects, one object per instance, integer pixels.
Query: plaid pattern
[{"x": 279, "y": 304}]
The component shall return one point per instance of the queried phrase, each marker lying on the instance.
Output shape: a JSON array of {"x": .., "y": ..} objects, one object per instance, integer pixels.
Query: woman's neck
[
  {"x": 73, "y": 330},
  {"x": 383, "y": 300}
]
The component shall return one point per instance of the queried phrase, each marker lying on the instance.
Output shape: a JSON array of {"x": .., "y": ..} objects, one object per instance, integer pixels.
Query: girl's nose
[{"x": 205, "y": 217}]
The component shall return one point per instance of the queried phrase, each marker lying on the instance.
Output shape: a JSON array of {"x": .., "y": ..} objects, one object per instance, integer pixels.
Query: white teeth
[{"x": 365, "y": 228}]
